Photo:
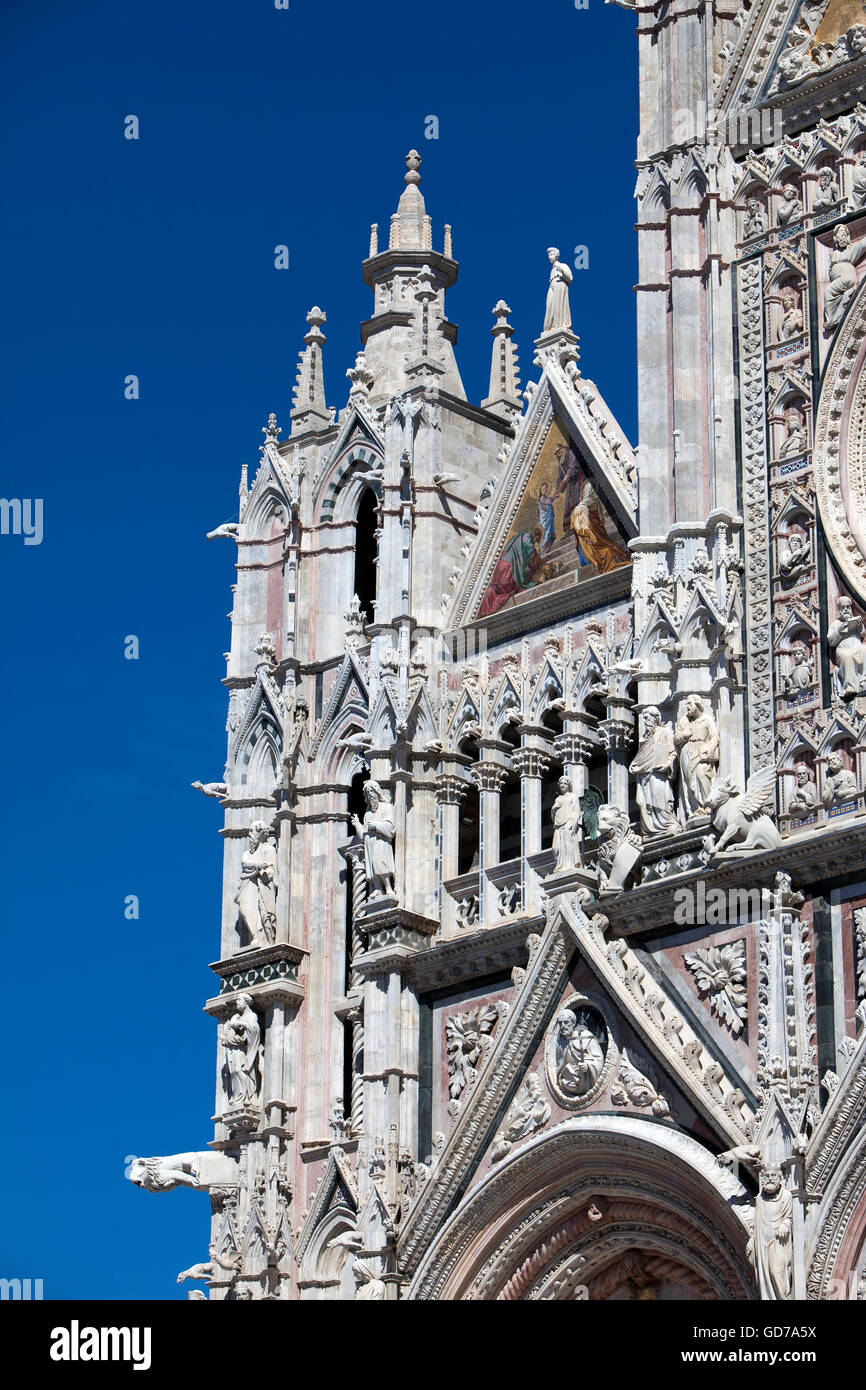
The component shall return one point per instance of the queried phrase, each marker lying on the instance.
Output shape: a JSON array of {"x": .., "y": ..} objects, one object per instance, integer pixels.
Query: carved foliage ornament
[
  {"x": 720, "y": 974},
  {"x": 466, "y": 1035}
]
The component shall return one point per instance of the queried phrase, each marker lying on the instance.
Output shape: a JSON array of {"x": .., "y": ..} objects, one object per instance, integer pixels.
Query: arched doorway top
[{"x": 594, "y": 1190}]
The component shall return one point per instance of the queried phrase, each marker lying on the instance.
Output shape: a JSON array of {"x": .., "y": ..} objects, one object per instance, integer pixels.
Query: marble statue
[
  {"x": 756, "y": 219},
  {"x": 256, "y": 896},
  {"x": 377, "y": 830},
  {"x": 804, "y": 798},
  {"x": 742, "y": 818},
  {"x": 794, "y": 557},
  {"x": 200, "y": 1170},
  {"x": 845, "y": 639},
  {"x": 840, "y": 783},
  {"x": 795, "y": 438},
  {"x": 567, "y": 824},
  {"x": 218, "y": 790},
  {"x": 801, "y": 675},
  {"x": 827, "y": 194},
  {"x": 858, "y": 186},
  {"x": 241, "y": 1036},
  {"x": 653, "y": 766},
  {"x": 697, "y": 738},
  {"x": 578, "y": 1055},
  {"x": 619, "y": 849},
  {"x": 792, "y": 316},
  {"x": 842, "y": 282},
  {"x": 557, "y": 313},
  {"x": 790, "y": 206},
  {"x": 771, "y": 1243}
]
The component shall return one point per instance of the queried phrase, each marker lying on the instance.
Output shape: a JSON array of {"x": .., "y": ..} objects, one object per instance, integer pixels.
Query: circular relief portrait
[{"x": 578, "y": 1053}]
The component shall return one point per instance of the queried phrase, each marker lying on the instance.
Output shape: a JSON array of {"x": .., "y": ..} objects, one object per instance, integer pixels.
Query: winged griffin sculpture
[{"x": 743, "y": 819}]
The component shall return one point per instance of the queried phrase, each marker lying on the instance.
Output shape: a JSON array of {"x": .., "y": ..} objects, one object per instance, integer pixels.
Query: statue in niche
[
  {"x": 804, "y": 798},
  {"x": 557, "y": 313},
  {"x": 790, "y": 206},
  {"x": 858, "y": 187},
  {"x": 827, "y": 194},
  {"x": 756, "y": 219},
  {"x": 377, "y": 830},
  {"x": 845, "y": 639},
  {"x": 697, "y": 737},
  {"x": 770, "y": 1245},
  {"x": 840, "y": 784},
  {"x": 567, "y": 816},
  {"x": 578, "y": 1054},
  {"x": 801, "y": 675},
  {"x": 795, "y": 438},
  {"x": 844, "y": 258},
  {"x": 241, "y": 1036},
  {"x": 256, "y": 896},
  {"x": 794, "y": 557},
  {"x": 653, "y": 766},
  {"x": 792, "y": 316}
]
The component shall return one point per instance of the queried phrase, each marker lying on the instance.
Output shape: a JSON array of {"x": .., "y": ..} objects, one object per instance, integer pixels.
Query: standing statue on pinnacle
[{"x": 557, "y": 314}]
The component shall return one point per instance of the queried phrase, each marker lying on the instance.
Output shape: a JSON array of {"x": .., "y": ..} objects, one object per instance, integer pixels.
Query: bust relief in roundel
[
  {"x": 579, "y": 1053},
  {"x": 840, "y": 448}
]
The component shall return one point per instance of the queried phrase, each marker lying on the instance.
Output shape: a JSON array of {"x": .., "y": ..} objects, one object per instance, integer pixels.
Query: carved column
[
  {"x": 491, "y": 778},
  {"x": 617, "y": 732},
  {"x": 356, "y": 1020},
  {"x": 575, "y": 749},
  {"x": 451, "y": 790},
  {"x": 533, "y": 765}
]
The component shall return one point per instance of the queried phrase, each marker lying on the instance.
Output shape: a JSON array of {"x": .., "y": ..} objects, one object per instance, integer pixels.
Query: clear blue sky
[{"x": 156, "y": 257}]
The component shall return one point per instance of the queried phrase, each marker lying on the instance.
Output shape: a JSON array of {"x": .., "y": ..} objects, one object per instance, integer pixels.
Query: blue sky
[{"x": 258, "y": 127}]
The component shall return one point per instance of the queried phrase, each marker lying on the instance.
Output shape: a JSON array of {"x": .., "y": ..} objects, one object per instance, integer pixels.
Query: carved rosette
[{"x": 757, "y": 530}]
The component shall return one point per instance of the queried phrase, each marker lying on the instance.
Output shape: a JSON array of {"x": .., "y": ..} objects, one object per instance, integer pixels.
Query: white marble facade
[{"x": 509, "y": 698}]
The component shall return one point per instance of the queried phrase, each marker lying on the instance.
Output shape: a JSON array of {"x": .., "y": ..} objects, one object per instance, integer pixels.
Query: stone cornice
[{"x": 816, "y": 857}]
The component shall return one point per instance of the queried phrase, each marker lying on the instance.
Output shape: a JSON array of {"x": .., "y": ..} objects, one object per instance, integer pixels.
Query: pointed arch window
[{"x": 367, "y": 552}]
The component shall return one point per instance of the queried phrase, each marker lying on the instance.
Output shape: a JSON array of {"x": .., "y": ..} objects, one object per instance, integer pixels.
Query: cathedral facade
[{"x": 542, "y": 968}]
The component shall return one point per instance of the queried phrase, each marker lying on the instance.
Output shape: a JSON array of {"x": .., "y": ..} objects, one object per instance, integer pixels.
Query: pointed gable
[{"x": 560, "y": 523}]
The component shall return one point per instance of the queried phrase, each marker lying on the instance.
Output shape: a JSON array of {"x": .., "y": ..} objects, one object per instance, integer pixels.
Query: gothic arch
[
  {"x": 596, "y": 1191},
  {"x": 840, "y": 1222},
  {"x": 839, "y": 447},
  {"x": 343, "y": 494},
  {"x": 326, "y": 1268},
  {"x": 260, "y": 757}
]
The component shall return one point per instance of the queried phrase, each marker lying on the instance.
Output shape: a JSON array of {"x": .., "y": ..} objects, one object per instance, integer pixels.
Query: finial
[
  {"x": 446, "y": 249},
  {"x": 315, "y": 318},
  {"x": 374, "y": 238},
  {"x": 360, "y": 377},
  {"x": 309, "y": 406},
  {"x": 271, "y": 430},
  {"x": 413, "y": 164},
  {"x": 503, "y": 398}
]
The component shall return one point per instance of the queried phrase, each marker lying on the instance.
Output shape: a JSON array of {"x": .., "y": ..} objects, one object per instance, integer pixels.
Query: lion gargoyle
[
  {"x": 202, "y": 1170},
  {"x": 742, "y": 819}
]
